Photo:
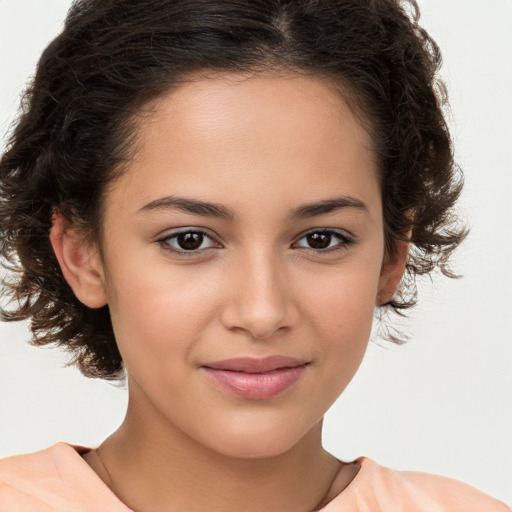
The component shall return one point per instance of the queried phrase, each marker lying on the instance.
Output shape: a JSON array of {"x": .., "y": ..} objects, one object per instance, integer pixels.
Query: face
[{"x": 242, "y": 259}]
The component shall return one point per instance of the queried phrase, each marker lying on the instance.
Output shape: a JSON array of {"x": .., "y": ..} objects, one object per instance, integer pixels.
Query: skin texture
[{"x": 260, "y": 147}]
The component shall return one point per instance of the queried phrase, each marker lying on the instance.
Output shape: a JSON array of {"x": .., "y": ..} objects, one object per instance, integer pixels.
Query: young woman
[{"x": 214, "y": 196}]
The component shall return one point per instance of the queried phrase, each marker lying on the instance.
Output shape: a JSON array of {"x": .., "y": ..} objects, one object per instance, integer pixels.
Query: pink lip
[{"x": 256, "y": 379}]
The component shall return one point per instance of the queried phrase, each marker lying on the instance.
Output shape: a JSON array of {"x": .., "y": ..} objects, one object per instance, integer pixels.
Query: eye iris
[
  {"x": 319, "y": 240},
  {"x": 190, "y": 241}
]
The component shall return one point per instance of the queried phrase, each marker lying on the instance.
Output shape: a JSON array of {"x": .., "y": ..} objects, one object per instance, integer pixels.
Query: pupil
[
  {"x": 190, "y": 241},
  {"x": 319, "y": 240}
]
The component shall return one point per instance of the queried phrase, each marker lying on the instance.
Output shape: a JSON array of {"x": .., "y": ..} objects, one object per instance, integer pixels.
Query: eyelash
[
  {"x": 165, "y": 241},
  {"x": 344, "y": 241}
]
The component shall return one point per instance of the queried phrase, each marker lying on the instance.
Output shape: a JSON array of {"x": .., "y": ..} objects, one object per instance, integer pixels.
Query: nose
[{"x": 260, "y": 300}]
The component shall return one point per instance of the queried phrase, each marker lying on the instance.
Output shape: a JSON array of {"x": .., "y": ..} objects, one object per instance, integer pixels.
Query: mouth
[{"x": 256, "y": 379}]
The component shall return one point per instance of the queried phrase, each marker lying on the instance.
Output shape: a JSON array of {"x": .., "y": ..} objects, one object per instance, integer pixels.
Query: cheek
[
  {"x": 342, "y": 301},
  {"x": 160, "y": 312},
  {"x": 340, "y": 309}
]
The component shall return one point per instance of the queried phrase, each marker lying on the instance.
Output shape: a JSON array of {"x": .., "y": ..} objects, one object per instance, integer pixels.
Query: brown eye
[
  {"x": 190, "y": 241},
  {"x": 187, "y": 241},
  {"x": 319, "y": 240},
  {"x": 325, "y": 240}
]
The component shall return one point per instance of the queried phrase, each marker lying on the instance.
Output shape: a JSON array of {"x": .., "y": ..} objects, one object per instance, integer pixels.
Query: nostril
[{"x": 259, "y": 304}]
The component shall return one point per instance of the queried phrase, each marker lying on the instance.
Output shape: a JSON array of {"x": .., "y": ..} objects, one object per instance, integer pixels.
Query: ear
[
  {"x": 391, "y": 272},
  {"x": 79, "y": 261}
]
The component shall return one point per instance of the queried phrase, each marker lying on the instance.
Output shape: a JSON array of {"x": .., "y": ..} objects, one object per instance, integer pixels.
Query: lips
[{"x": 256, "y": 379}]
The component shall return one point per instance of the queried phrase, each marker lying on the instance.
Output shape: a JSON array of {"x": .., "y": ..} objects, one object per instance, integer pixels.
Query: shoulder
[
  {"x": 55, "y": 479},
  {"x": 445, "y": 494},
  {"x": 454, "y": 494},
  {"x": 378, "y": 488}
]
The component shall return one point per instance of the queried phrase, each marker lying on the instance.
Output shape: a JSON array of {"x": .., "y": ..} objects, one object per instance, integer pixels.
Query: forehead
[
  {"x": 206, "y": 103},
  {"x": 228, "y": 133}
]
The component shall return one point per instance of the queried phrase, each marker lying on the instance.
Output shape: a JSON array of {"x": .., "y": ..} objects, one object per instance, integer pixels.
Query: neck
[{"x": 155, "y": 466}]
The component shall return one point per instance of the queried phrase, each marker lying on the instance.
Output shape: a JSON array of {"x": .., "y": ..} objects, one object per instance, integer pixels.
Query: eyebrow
[
  {"x": 207, "y": 209},
  {"x": 193, "y": 206},
  {"x": 328, "y": 206}
]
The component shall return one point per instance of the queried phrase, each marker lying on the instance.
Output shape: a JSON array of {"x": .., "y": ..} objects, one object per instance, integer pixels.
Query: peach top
[{"x": 59, "y": 480}]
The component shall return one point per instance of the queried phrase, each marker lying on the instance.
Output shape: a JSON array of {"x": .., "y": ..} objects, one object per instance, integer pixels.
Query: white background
[{"x": 442, "y": 403}]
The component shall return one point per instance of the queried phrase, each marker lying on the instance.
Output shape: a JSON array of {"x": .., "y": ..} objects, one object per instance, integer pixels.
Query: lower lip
[{"x": 256, "y": 386}]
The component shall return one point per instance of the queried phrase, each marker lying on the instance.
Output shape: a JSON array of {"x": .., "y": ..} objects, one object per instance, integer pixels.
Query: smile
[{"x": 256, "y": 379}]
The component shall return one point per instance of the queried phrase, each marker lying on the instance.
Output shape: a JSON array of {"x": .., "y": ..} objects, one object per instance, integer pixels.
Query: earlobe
[
  {"x": 391, "y": 273},
  {"x": 79, "y": 261}
]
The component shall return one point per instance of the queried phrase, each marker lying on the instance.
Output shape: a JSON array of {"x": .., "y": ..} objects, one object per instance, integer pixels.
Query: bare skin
[
  {"x": 239, "y": 484},
  {"x": 290, "y": 262}
]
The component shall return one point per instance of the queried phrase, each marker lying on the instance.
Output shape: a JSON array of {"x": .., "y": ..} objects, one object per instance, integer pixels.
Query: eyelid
[
  {"x": 173, "y": 233},
  {"x": 345, "y": 239}
]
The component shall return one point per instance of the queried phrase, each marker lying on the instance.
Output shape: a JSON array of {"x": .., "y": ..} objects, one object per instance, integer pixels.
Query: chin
[
  {"x": 257, "y": 448},
  {"x": 259, "y": 439}
]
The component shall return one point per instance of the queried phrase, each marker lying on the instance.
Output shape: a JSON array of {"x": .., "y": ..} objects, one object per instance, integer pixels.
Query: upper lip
[{"x": 256, "y": 365}]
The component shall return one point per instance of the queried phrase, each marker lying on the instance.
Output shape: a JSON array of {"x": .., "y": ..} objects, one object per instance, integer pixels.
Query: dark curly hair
[{"x": 78, "y": 122}]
